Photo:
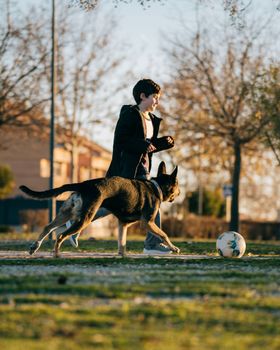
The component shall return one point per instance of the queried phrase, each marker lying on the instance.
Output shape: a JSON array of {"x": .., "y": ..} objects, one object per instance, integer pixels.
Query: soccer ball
[{"x": 231, "y": 245}]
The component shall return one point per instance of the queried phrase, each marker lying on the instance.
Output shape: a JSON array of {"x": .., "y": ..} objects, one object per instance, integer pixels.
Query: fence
[
  {"x": 11, "y": 208},
  {"x": 210, "y": 227}
]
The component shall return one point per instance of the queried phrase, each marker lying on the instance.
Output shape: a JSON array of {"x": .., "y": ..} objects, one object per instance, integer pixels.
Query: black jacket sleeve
[{"x": 162, "y": 144}]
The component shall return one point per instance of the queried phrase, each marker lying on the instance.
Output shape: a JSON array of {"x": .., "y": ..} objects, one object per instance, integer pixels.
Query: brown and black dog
[{"x": 130, "y": 200}]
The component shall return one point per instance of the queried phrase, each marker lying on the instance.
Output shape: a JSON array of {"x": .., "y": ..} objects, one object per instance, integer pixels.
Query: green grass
[
  {"x": 125, "y": 303},
  {"x": 22, "y": 242}
]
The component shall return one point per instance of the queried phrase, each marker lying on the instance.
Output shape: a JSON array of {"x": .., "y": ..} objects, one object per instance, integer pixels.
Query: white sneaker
[
  {"x": 74, "y": 240},
  {"x": 159, "y": 249}
]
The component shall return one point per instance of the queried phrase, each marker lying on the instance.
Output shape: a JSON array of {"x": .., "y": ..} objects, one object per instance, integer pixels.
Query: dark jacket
[{"x": 130, "y": 142}]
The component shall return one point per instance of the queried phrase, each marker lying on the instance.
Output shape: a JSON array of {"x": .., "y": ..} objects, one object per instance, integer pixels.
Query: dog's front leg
[
  {"x": 122, "y": 238},
  {"x": 151, "y": 226}
]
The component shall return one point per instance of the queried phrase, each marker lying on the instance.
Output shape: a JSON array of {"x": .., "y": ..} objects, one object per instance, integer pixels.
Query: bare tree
[
  {"x": 89, "y": 5},
  {"x": 235, "y": 8},
  {"x": 23, "y": 55},
  {"x": 215, "y": 96},
  {"x": 86, "y": 61},
  {"x": 238, "y": 9}
]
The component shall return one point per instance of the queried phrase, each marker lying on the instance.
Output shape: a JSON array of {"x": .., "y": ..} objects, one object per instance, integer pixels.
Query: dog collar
[{"x": 158, "y": 189}]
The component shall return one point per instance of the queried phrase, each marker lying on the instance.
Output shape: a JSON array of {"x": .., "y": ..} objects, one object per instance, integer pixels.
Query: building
[{"x": 27, "y": 154}]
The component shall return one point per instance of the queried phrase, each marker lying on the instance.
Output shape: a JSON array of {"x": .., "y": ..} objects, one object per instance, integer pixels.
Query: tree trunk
[{"x": 234, "y": 220}]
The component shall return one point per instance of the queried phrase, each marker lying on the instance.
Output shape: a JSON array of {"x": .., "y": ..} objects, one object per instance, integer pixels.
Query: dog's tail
[{"x": 49, "y": 193}]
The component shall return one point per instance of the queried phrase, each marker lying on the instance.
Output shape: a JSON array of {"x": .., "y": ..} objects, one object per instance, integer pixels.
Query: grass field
[{"x": 145, "y": 303}]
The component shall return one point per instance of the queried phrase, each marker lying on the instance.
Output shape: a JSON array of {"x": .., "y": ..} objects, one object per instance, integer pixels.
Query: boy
[{"x": 135, "y": 142}]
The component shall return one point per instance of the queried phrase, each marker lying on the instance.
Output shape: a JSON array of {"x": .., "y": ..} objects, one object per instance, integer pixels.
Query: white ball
[{"x": 231, "y": 245}]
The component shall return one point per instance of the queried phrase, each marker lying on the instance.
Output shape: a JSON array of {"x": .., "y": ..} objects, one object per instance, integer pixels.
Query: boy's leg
[{"x": 101, "y": 213}]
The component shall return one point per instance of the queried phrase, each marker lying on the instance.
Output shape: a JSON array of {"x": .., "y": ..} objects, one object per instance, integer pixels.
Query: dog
[{"x": 130, "y": 200}]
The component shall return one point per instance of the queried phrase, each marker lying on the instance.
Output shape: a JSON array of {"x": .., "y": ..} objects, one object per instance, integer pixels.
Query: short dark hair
[{"x": 146, "y": 86}]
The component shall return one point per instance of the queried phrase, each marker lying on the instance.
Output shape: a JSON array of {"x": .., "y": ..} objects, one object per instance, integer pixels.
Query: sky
[
  {"x": 141, "y": 29},
  {"x": 142, "y": 33}
]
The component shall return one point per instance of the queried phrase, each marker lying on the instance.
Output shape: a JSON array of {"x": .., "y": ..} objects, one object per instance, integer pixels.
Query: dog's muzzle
[{"x": 174, "y": 195}]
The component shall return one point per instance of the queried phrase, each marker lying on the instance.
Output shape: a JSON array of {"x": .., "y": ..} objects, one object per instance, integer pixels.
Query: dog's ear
[
  {"x": 161, "y": 169},
  {"x": 174, "y": 173}
]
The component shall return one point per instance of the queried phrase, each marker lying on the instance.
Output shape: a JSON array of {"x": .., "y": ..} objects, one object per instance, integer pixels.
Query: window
[{"x": 44, "y": 168}]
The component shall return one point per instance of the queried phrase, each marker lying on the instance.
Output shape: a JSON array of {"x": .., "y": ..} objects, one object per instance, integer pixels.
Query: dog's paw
[
  {"x": 175, "y": 249},
  {"x": 122, "y": 250},
  {"x": 34, "y": 247},
  {"x": 122, "y": 254}
]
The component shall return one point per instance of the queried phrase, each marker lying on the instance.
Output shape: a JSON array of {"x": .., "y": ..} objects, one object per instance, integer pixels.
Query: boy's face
[{"x": 150, "y": 103}]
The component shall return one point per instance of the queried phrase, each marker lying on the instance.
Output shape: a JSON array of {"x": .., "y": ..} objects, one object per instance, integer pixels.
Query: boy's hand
[
  {"x": 151, "y": 148},
  {"x": 170, "y": 140},
  {"x": 160, "y": 144}
]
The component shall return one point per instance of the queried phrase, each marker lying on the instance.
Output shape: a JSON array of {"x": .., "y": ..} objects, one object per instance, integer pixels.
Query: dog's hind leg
[
  {"x": 57, "y": 222},
  {"x": 85, "y": 219},
  {"x": 76, "y": 227},
  {"x": 101, "y": 213}
]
